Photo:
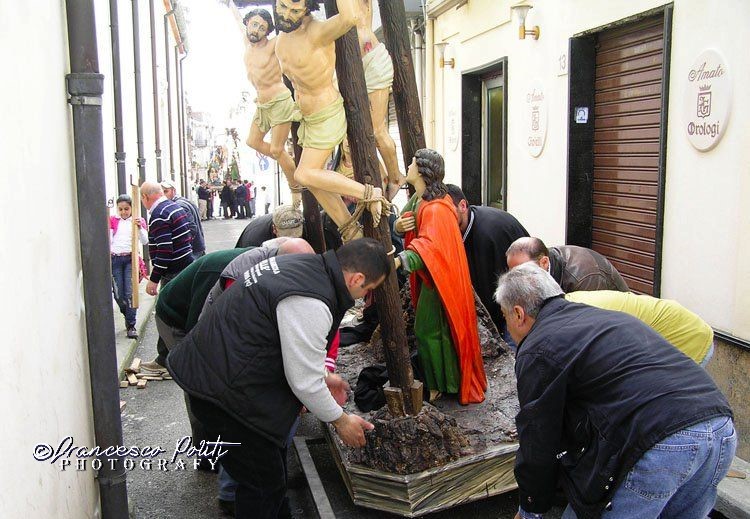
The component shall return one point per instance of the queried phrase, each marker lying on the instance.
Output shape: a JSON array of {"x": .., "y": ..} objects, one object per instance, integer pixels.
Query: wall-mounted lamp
[
  {"x": 521, "y": 9},
  {"x": 447, "y": 54}
]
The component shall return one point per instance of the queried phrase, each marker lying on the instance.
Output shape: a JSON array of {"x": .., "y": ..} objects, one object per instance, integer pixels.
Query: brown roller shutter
[{"x": 628, "y": 90}]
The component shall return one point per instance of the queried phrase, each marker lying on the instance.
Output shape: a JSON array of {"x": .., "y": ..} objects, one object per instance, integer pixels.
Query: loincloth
[
  {"x": 280, "y": 110},
  {"x": 378, "y": 68},
  {"x": 325, "y": 129}
]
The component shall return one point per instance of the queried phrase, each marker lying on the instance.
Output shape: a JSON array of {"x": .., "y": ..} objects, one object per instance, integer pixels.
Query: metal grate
[{"x": 627, "y": 117}]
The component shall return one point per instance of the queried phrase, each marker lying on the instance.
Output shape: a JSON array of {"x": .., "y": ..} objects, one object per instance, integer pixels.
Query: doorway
[
  {"x": 616, "y": 161},
  {"x": 493, "y": 129},
  {"x": 484, "y": 134}
]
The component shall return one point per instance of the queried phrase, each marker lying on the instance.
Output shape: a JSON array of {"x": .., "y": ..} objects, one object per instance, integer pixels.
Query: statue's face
[
  {"x": 257, "y": 29},
  {"x": 412, "y": 172},
  {"x": 290, "y": 14}
]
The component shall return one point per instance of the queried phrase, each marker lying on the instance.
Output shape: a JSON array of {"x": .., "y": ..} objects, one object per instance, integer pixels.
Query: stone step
[{"x": 733, "y": 499}]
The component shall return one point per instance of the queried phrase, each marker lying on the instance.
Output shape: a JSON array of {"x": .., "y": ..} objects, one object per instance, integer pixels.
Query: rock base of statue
[
  {"x": 408, "y": 444},
  {"x": 448, "y": 454}
]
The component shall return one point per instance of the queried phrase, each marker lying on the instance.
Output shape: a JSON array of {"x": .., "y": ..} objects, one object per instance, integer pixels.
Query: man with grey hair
[
  {"x": 622, "y": 419},
  {"x": 194, "y": 219}
]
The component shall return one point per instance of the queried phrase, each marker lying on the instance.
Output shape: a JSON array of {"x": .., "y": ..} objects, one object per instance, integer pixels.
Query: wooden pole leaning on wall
[
  {"x": 404, "y": 396},
  {"x": 134, "y": 244},
  {"x": 405, "y": 93}
]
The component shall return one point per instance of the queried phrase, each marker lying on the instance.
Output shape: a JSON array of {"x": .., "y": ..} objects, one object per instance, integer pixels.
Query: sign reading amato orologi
[
  {"x": 708, "y": 98},
  {"x": 536, "y": 119}
]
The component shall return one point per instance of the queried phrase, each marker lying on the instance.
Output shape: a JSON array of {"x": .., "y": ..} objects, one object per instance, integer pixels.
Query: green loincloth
[
  {"x": 378, "y": 68},
  {"x": 325, "y": 129},
  {"x": 279, "y": 110}
]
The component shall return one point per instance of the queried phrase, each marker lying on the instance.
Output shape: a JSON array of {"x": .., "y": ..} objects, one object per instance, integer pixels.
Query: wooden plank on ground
[
  {"x": 135, "y": 366},
  {"x": 132, "y": 379},
  {"x": 141, "y": 384}
]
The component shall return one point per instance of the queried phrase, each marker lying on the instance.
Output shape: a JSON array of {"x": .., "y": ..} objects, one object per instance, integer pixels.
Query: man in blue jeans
[{"x": 626, "y": 423}]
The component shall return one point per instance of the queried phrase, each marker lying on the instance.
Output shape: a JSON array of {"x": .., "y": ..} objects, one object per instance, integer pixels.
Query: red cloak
[{"x": 439, "y": 245}]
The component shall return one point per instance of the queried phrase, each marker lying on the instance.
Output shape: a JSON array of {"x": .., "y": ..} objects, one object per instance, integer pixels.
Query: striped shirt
[{"x": 169, "y": 239}]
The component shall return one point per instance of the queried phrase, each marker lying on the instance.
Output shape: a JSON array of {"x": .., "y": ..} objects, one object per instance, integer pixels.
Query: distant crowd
[{"x": 239, "y": 199}]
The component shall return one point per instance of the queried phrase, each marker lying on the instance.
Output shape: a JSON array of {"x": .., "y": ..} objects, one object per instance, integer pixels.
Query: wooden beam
[
  {"x": 134, "y": 246},
  {"x": 405, "y": 94},
  {"x": 351, "y": 79}
]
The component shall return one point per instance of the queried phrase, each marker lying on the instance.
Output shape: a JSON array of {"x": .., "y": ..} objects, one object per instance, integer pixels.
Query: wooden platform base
[{"x": 412, "y": 495}]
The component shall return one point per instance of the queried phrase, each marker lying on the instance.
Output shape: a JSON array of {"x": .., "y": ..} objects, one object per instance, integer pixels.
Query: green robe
[{"x": 434, "y": 342}]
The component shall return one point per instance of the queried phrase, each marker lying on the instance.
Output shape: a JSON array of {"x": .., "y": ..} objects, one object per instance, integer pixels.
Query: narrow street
[{"x": 156, "y": 416}]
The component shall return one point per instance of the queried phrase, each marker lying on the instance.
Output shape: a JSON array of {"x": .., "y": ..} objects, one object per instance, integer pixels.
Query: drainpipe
[
  {"x": 122, "y": 179},
  {"x": 138, "y": 100},
  {"x": 155, "y": 87},
  {"x": 85, "y": 85},
  {"x": 169, "y": 93},
  {"x": 179, "y": 111},
  {"x": 417, "y": 48},
  {"x": 429, "y": 83},
  {"x": 183, "y": 134}
]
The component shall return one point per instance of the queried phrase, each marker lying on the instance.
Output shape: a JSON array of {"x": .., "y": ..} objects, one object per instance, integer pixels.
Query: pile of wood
[{"x": 134, "y": 377}]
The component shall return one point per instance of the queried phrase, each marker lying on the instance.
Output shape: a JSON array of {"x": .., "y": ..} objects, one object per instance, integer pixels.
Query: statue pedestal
[{"x": 467, "y": 479}]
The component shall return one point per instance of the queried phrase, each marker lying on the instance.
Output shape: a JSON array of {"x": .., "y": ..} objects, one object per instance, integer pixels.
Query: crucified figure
[
  {"x": 378, "y": 69},
  {"x": 306, "y": 51},
  {"x": 275, "y": 107}
]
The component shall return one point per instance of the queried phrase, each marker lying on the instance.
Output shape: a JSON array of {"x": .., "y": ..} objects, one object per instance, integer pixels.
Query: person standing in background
[
  {"x": 204, "y": 197},
  {"x": 120, "y": 248}
]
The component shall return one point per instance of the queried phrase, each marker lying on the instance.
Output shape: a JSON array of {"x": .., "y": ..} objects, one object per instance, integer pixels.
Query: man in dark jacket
[
  {"x": 623, "y": 419},
  {"x": 227, "y": 199},
  {"x": 204, "y": 196},
  {"x": 487, "y": 233},
  {"x": 257, "y": 355},
  {"x": 574, "y": 268},
  {"x": 240, "y": 194}
]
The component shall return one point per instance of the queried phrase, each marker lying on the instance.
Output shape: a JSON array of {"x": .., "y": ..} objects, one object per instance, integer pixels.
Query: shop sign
[
  {"x": 453, "y": 129},
  {"x": 536, "y": 119},
  {"x": 708, "y": 97}
]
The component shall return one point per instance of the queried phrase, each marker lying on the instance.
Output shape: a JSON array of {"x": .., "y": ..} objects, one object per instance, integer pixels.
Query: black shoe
[
  {"x": 132, "y": 333},
  {"x": 226, "y": 507}
]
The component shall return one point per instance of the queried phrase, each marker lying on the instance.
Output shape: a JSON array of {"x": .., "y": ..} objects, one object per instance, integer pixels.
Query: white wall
[
  {"x": 45, "y": 394},
  {"x": 707, "y": 215},
  {"x": 127, "y": 68},
  {"x": 705, "y": 219}
]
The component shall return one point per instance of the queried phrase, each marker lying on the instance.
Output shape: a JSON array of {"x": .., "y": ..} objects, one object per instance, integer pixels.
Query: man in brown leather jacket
[{"x": 574, "y": 268}]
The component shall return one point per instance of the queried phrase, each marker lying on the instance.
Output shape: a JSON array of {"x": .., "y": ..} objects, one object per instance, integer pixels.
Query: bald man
[
  {"x": 169, "y": 238},
  {"x": 574, "y": 268}
]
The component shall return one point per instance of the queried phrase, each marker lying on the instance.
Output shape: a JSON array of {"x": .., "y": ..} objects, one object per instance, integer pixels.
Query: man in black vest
[
  {"x": 621, "y": 418},
  {"x": 257, "y": 355}
]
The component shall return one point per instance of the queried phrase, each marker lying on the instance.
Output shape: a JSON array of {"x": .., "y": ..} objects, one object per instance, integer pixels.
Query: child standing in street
[{"x": 120, "y": 250}]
